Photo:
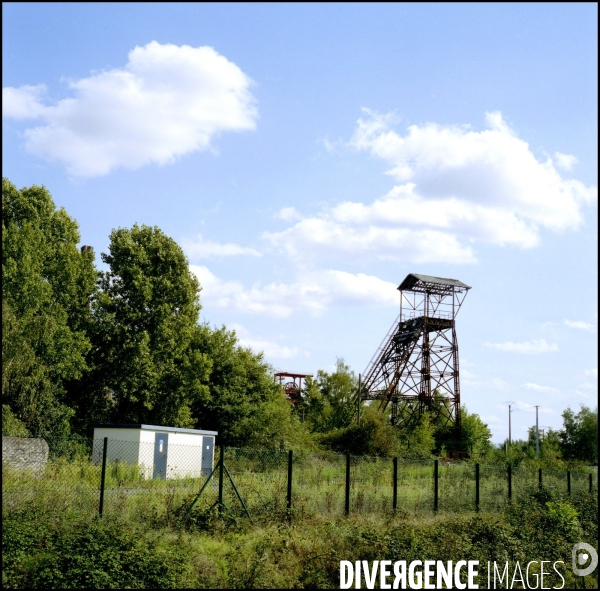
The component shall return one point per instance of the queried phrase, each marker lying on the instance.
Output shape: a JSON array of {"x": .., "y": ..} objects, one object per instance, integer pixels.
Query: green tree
[
  {"x": 146, "y": 365},
  {"x": 47, "y": 284},
  {"x": 328, "y": 401},
  {"x": 476, "y": 435},
  {"x": 244, "y": 404},
  {"x": 419, "y": 438},
  {"x": 548, "y": 443},
  {"x": 579, "y": 435},
  {"x": 375, "y": 436}
]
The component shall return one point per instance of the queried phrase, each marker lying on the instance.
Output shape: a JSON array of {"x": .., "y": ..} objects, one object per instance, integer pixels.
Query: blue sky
[{"x": 307, "y": 157}]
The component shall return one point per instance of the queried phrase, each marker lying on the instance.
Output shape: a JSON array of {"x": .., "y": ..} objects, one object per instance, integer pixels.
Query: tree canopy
[
  {"x": 121, "y": 345},
  {"x": 47, "y": 285},
  {"x": 579, "y": 435},
  {"x": 125, "y": 345},
  {"x": 144, "y": 367}
]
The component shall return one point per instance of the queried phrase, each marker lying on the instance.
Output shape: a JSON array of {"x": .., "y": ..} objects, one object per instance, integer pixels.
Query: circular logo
[{"x": 583, "y": 552}]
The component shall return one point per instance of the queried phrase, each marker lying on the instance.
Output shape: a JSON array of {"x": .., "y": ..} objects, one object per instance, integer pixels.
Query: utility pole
[
  {"x": 537, "y": 432},
  {"x": 510, "y": 403},
  {"x": 358, "y": 398}
]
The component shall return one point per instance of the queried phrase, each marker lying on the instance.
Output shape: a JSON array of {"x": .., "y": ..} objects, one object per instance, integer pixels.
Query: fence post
[
  {"x": 509, "y": 482},
  {"x": 591, "y": 478},
  {"x": 347, "y": 507},
  {"x": 569, "y": 482},
  {"x": 221, "y": 466},
  {"x": 289, "y": 486},
  {"x": 395, "y": 491},
  {"x": 435, "y": 485},
  {"x": 540, "y": 479},
  {"x": 476, "y": 487},
  {"x": 103, "y": 476}
]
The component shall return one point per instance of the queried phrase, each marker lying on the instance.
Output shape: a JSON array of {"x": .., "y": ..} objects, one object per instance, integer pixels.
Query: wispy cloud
[
  {"x": 199, "y": 248},
  {"x": 271, "y": 349},
  {"x": 579, "y": 324},
  {"x": 541, "y": 389},
  {"x": 525, "y": 406},
  {"x": 565, "y": 161},
  {"x": 167, "y": 101},
  {"x": 288, "y": 214},
  {"x": 533, "y": 347},
  {"x": 313, "y": 293}
]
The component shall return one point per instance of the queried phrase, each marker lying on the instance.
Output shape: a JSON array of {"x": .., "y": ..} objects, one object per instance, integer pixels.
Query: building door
[
  {"x": 161, "y": 442},
  {"x": 208, "y": 449}
]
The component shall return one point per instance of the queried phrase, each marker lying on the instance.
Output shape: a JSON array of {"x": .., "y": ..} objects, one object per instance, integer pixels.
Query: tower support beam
[{"x": 416, "y": 368}]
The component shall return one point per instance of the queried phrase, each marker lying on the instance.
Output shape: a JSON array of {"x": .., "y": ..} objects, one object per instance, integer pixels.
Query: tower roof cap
[{"x": 416, "y": 282}]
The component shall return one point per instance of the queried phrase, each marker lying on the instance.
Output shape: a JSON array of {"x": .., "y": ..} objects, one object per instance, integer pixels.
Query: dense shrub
[{"x": 43, "y": 548}]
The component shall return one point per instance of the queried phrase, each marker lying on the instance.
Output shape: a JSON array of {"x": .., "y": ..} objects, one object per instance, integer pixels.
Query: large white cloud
[
  {"x": 456, "y": 187},
  {"x": 313, "y": 293},
  {"x": 167, "y": 101}
]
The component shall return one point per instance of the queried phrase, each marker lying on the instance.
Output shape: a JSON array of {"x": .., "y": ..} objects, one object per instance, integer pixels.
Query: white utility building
[{"x": 160, "y": 452}]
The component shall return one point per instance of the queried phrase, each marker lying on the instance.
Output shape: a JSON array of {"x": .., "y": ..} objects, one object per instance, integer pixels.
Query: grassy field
[
  {"x": 53, "y": 537},
  {"x": 261, "y": 478}
]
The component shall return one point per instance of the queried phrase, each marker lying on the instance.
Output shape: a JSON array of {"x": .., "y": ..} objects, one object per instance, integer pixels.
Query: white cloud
[
  {"x": 271, "y": 349},
  {"x": 530, "y": 407},
  {"x": 322, "y": 236},
  {"x": 533, "y": 347},
  {"x": 541, "y": 389},
  {"x": 579, "y": 324},
  {"x": 565, "y": 161},
  {"x": 313, "y": 293},
  {"x": 592, "y": 372},
  {"x": 456, "y": 187},
  {"x": 24, "y": 102},
  {"x": 199, "y": 248},
  {"x": 288, "y": 214},
  {"x": 167, "y": 101}
]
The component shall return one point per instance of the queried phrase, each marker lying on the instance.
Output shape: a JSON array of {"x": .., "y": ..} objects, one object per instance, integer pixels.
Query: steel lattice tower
[{"x": 416, "y": 366}]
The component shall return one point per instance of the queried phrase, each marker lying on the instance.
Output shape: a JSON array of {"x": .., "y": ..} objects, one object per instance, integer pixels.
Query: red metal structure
[
  {"x": 416, "y": 366},
  {"x": 292, "y": 389}
]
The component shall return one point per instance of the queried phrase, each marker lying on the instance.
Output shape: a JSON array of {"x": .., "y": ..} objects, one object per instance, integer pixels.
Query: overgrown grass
[
  {"x": 53, "y": 538},
  {"x": 318, "y": 486}
]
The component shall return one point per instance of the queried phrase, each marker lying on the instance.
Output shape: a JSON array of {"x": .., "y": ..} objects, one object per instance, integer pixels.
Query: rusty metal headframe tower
[
  {"x": 292, "y": 389},
  {"x": 416, "y": 366}
]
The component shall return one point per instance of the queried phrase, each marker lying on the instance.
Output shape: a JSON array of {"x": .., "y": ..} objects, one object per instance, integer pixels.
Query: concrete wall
[{"x": 25, "y": 452}]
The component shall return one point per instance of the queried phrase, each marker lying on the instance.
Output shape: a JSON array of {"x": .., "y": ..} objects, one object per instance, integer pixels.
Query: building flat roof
[{"x": 152, "y": 428}]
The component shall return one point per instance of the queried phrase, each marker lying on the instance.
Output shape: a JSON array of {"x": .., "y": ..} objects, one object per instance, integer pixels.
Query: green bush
[
  {"x": 49, "y": 545},
  {"x": 95, "y": 554}
]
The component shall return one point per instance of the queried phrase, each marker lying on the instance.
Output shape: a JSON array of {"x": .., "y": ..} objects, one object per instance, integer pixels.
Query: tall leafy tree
[
  {"x": 476, "y": 435},
  {"x": 244, "y": 405},
  {"x": 145, "y": 367},
  {"x": 579, "y": 435},
  {"x": 329, "y": 400},
  {"x": 47, "y": 285}
]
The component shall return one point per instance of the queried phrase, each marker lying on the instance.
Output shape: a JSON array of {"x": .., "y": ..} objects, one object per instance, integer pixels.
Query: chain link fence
[{"x": 151, "y": 483}]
